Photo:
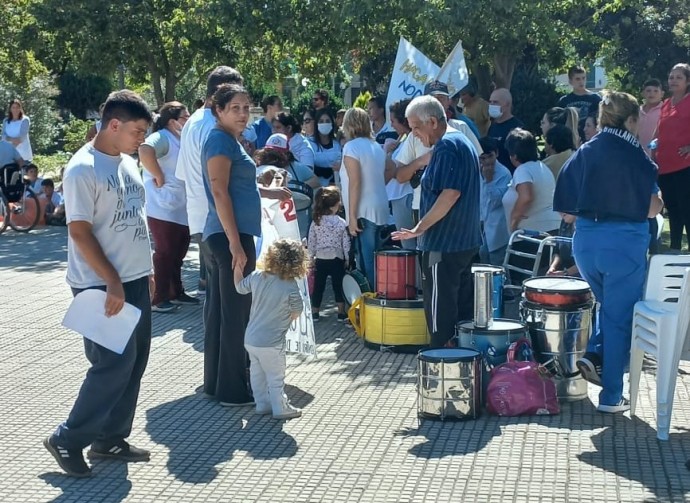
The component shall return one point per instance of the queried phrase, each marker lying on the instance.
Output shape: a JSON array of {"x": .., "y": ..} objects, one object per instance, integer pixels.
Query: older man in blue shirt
[{"x": 448, "y": 232}]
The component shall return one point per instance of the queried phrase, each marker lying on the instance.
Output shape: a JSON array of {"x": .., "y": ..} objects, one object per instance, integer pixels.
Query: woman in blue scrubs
[{"x": 610, "y": 186}]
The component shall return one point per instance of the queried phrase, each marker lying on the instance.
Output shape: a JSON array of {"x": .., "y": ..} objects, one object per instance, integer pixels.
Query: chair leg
[
  {"x": 668, "y": 359},
  {"x": 636, "y": 359}
]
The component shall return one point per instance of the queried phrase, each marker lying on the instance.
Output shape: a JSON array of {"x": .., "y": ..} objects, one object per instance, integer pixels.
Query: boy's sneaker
[
  {"x": 590, "y": 368},
  {"x": 70, "y": 460},
  {"x": 342, "y": 317},
  {"x": 622, "y": 406},
  {"x": 288, "y": 412},
  {"x": 163, "y": 307},
  {"x": 263, "y": 411},
  {"x": 121, "y": 451},
  {"x": 185, "y": 299}
]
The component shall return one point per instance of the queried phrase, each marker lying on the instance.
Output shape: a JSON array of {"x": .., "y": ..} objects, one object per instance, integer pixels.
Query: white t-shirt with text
[{"x": 107, "y": 192}]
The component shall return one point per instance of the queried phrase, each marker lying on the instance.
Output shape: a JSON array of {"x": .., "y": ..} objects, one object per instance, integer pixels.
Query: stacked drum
[
  {"x": 392, "y": 318},
  {"x": 490, "y": 336},
  {"x": 558, "y": 312}
]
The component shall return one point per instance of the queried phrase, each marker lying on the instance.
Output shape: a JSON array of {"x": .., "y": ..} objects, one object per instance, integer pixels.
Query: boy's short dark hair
[
  {"x": 48, "y": 182},
  {"x": 652, "y": 83},
  {"x": 522, "y": 144},
  {"x": 31, "y": 165},
  {"x": 222, "y": 75},
  {"x": 125, "y": 106},
  {"x": 574, "y": 70}
]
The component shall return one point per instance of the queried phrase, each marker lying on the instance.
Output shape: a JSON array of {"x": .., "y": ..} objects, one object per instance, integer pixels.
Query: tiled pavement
[{"x": 359, "y": 439}]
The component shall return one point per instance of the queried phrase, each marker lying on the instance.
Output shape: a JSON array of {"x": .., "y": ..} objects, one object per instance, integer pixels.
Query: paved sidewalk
[{"x": 359, "y": 439}]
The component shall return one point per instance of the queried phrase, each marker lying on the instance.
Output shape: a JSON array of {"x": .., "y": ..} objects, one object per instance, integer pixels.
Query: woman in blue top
[
  {"x": 234, "y": 219},
  {"x": 610, "y": 186}
]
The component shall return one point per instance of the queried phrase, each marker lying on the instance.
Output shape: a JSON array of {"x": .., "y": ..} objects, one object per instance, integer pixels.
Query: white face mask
[
  {"x": 325, "y": 128},
  {"x": 494, "y": 111}
]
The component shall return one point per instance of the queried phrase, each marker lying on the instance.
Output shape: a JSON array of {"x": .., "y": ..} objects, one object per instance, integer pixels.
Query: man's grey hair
[{"x": 424, "y": 108}]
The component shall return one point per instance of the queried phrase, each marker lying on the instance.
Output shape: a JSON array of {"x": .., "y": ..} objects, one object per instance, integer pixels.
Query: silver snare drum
[
  {"x": 559, "y": 337},
  {"x": 450, "y": 384}
]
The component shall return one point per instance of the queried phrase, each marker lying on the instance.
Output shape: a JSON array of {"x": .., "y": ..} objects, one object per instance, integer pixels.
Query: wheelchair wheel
[
  {"x": 4, "y": 212},
  {"x": 25, "y": 213}
]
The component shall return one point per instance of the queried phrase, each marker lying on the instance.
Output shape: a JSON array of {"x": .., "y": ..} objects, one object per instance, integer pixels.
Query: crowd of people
[{"x": 455, "y": 175}]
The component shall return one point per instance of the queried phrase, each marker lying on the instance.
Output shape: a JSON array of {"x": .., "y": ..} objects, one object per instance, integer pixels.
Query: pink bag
[{"x": 518, "y": 388}]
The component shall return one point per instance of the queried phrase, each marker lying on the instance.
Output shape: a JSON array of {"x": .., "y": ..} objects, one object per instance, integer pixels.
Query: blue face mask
[{"x": 325, "y": 128}]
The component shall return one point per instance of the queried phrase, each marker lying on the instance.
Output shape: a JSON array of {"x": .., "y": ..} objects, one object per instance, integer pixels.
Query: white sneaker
[
  {"x": 288, "y": 412},
  {"x": 622, "y": 406}
]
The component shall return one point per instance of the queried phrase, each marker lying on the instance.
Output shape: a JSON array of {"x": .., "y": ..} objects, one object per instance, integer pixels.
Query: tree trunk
[
  {"x": 504, "y": 66},
  {"x": 170, "y": 85},
  {"x": 482, "y": 73},
  {"x": 156, "y": 81}
]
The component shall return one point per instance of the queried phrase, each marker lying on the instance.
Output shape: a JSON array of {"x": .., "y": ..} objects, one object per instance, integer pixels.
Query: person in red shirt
[{"x": 673, "y": 153}]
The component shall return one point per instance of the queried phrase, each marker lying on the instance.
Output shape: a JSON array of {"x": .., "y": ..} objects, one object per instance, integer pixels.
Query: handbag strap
[{"x": 515, "y": 346}]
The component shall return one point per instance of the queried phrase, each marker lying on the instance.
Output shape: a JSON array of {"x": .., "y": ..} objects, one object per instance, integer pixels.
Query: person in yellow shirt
[{"x": 476, "y": 108}]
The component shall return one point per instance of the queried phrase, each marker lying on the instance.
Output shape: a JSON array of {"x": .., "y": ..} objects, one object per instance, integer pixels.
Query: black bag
[{"x": 12, "y": 182}]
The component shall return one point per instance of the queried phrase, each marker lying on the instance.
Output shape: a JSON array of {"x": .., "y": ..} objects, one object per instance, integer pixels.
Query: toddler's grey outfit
[{"x": 273, "y": 300}]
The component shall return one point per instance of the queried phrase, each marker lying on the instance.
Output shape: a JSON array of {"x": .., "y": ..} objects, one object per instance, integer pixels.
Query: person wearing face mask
[
  {"x": 327, "y": 151},
  {"x": 610, "y": 186},
  {"x": 166, "y": 207},
  {"x": 502, "y": 123}
]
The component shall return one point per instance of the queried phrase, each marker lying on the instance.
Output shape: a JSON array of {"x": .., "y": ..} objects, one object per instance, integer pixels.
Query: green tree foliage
[
  {"x": 82, "y": 93},
  {"x": 362, "y": 100},
  {"x": 156, "y": 40},
  {"x": 644, "y": 40},
  {"x": 533, "y": 94},
  {"x": 74, "y": 134}
]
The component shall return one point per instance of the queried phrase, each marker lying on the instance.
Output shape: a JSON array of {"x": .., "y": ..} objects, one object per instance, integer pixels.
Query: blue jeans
[
  {"x": 612, "y": 257},
  {"x": 365, "y": 249}
]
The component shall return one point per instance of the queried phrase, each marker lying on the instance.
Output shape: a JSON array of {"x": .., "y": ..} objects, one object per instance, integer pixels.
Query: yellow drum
[{"x": 395, "y": 324}]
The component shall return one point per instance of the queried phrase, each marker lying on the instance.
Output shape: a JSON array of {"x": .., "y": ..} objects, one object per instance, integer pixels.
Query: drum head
[
  {"x": 354, "y": 285},
  {"x": 487, "y": 268},
  {"x": 448, "y": 355},
  {"x": 498, "y": 327},
  {"x": 548, "y": 284},
  {"x": 302, "y": 194},
  {"x": 396, "y": 252}
]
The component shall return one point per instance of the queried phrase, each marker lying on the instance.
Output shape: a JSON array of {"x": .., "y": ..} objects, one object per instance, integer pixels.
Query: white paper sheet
[{"x": 86, "y": 315}]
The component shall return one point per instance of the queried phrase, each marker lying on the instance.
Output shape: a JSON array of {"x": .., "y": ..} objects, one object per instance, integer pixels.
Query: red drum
[
  {"x": 557, "y": 291},
  {"x": 395, "y": 274}
]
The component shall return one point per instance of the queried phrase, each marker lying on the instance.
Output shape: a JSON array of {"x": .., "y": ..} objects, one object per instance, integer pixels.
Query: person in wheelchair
[{"x": 9, "y": 155}]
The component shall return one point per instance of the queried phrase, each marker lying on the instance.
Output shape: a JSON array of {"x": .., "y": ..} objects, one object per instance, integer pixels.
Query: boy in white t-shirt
[{"x": 108, "y": 249}]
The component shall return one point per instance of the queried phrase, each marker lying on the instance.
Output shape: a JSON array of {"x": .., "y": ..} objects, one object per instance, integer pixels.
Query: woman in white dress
[{"x": 15, "y": 129}]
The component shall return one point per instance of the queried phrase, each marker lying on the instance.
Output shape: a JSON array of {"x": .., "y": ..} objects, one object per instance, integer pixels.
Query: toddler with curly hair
[{"x": 276, "y": 302}]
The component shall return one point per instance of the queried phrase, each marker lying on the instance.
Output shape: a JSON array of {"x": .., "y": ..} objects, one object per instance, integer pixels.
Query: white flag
[
  {"x": 454, "y": 70},
  {"x": 412, "y": 71}
]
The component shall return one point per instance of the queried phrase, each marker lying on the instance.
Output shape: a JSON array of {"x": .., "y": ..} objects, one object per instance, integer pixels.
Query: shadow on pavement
[
  {"x": 629, "y": 448},
  {"x": 41, "y": 250},
  {"x": 109, "y": 484},
  {"x": 201, "y": 435}
]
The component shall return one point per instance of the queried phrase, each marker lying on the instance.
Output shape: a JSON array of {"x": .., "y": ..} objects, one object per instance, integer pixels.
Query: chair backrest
[
  {"x": 665, "y": 277},
  {"x": 684, "y": 313}
]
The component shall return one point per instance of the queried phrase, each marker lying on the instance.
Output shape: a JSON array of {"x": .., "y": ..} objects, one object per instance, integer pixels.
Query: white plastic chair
[
  {"x": 660, "y": 328},
  {"x": 665, "y": 276}
]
